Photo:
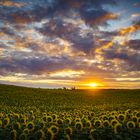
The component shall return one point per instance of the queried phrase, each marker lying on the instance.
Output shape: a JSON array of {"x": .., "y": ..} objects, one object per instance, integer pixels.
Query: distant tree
[
  {"x": 73, "y": 88},
  {"x": 64, "y": 88}
]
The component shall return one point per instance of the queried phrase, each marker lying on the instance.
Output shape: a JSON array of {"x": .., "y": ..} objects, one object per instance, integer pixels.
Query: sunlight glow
[{"x": 92, "y": 85}]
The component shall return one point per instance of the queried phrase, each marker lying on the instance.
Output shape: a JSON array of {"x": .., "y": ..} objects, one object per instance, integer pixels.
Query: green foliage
[{"x": 51, "y": 114}]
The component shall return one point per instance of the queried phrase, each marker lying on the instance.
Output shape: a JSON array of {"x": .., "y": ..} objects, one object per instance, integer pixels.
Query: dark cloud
[
  {"x": 131, "y": 60},
  {"x": 134, "y": 44},
  {"x": 69, "y": 32},
  {"x": 91, "y": 11},
  {"x": 7, "y": 30},
  {"x": 35, "y": 65}
]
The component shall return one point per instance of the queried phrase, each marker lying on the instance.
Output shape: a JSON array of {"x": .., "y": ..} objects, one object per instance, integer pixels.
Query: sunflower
[
  {"x": 13, "y": 134},
  {"x": 67, "y": 121},
  {"x": 111, "y": 118},
  {"x": 118, "y": 128},
  {"x": 94, "y": 134},
  {"x": 44, "y": 118},
  {"x": 130, "y": 125},
  {"x": 114, "y": 122},
  {"x": 26, "y": 131},
  {"x": 97, "y": 123},
  {"x": 78, "y": 126},
  {"x": 16, "y": 126},
  {"x": 106, "y": 123},
  {"x": 121, "y": 117},
  {"x": 72, "y": 123},
  {"x": 23, "y": 136},
  {"x": 54, "y": 116},
  {"x": 49, "y": 119},
  {"x": 49, "y": 135},
  {"x": 16, "y": 116},
  {"x": 39, "y": 135},
  {"x": 54, "y": 129},
  {"x": 6, "y": 121},
  {"x": 135, "y": 119},
  {"x": 68, "y": 130},
  {"x": 128, "y": 111},
  {"x": 42, "y": 125},
  {"x": 105, "y": 117},
  {"x": 23, "y": 120},
  {"x": 88, "y": 124},
  {"x": 30, "y": 126},
  {"x": 138, "y": 114},
  {"x": 59, "y": 121}
]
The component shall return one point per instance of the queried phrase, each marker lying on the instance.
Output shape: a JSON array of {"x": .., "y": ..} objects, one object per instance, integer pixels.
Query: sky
[{"x": 70, "y": 43}]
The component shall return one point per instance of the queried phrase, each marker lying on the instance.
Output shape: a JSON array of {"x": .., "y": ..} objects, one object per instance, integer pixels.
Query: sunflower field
[{"x": 57, "y": 114}]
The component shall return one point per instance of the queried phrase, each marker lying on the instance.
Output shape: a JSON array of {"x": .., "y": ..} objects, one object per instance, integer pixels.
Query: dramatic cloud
[
  {"x": 69, "y": 40},
  {"x": 134, "y": 44}
]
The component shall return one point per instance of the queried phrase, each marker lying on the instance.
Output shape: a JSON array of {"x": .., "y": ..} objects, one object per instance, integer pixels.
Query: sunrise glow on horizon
[{"x": 73, "y": 43}]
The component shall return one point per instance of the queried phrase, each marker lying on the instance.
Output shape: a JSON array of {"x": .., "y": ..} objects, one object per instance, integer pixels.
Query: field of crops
[{"x": 56, "y": 114}]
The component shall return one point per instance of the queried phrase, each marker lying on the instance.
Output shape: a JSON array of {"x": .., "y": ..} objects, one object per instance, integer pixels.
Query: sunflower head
[
  {"x": 130, "y": 125},
  {"x": 138, "y": 114},
  {"x": 30, "y": 126},
  {"x": 88, "y": 124},
  {"x": 16, "y": 116},
  {"x": 78, "y": 126},
  {"x": 97, "y": 124},
  {"x": 44, "y": 118},
  {"x": 6, "y": 121},
  {"x": 114, "y": 122},
  {"x": 135, "y": 119},
  {"x": 111, "y": 118},
  {"x": 94, "y": 134},
  {"x": 73, "y": 123},
  {"x": 121, "y": 117},
  {"x": 23, "y": 120},
  {"x": 106, "y": 123},
  {"x": 59, "y": 121},
  {"x": 42, "y": 125},
  {"x": 39, "y": 134},
  {"x": 54, "y": 129},
  {"x": 49, "y": 119},
  {"x": 16, "y": 126},
  {"x": 13, "y": 134},
  {"x": 23, "y": 136},
  {"x": 128, "y": 111},
  {"x": 49, "y": 135},
  {"x": 67, "y": 121},
  {"x": 118, "y": 128},
  {"x": 26, "y": 131},
  {"x": 68, "y": 130},
  {"x": 54, "y": 116}
]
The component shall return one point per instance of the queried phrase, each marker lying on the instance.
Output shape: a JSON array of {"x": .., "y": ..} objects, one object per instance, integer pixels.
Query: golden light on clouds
[
  {"x": 9, "y": 3},
  {"x": 67, "y": 73}
]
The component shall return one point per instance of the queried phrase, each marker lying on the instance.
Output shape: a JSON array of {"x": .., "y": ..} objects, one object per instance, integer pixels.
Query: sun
[{"x": 92, "y": 85}]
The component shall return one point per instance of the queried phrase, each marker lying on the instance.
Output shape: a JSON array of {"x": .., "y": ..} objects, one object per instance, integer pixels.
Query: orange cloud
[
  {"x": 107, "y": 45},
  {"x": 20, "y": 20},
  {"x": 108, "y": 16},
  {"x": 121, "y": 38},
  {"x": 10, "y": 3},
  {"x": 129, "y": 29}
]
